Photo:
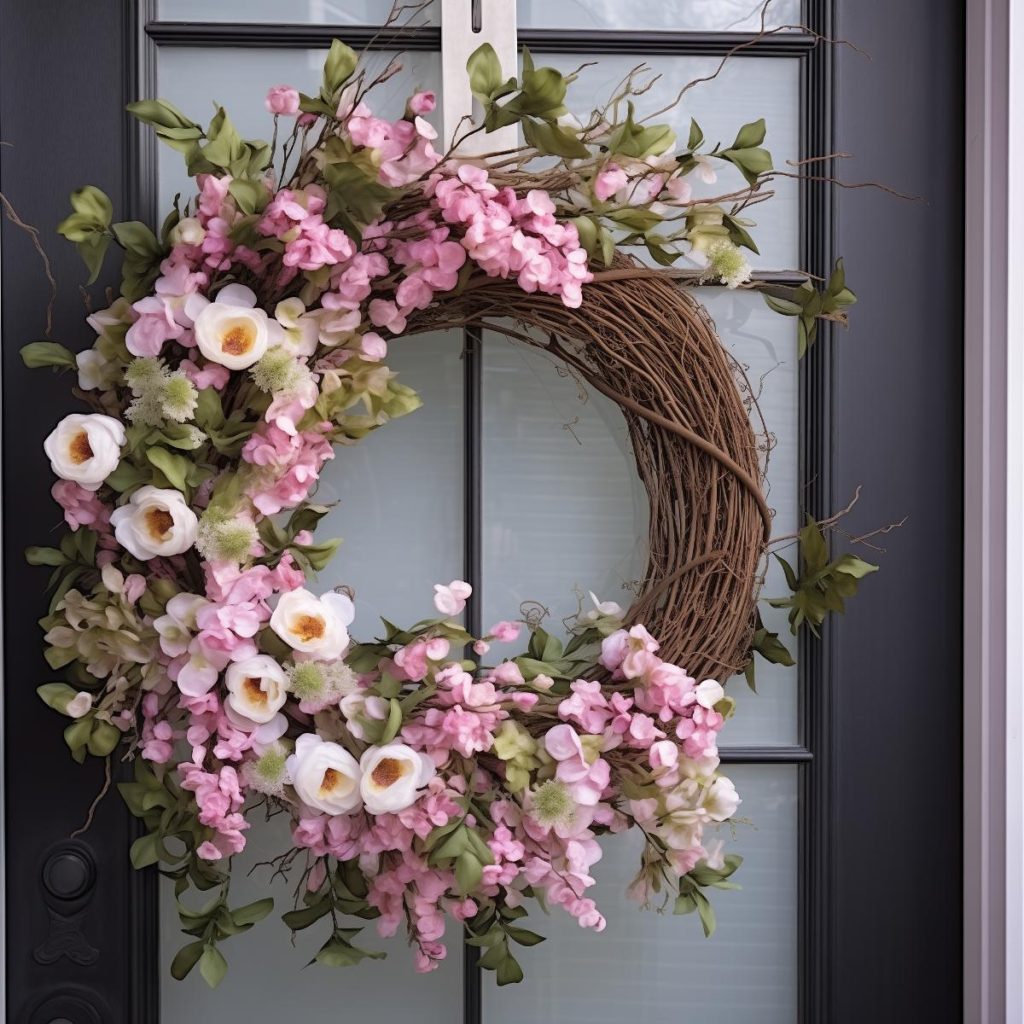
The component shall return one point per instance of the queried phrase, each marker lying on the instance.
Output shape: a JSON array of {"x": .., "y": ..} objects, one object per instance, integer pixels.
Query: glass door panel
[{"x": 647, "y": 966}]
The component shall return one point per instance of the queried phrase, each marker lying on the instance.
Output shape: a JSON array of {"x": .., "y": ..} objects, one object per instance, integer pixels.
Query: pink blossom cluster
[
  {"x": 290, "y": 464},
  {"x": 510, "y": 236},
  {"x": 296, "y": 218}
]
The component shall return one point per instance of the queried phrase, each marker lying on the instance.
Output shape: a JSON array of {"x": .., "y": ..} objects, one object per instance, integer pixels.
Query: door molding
[{"x": 993, "y": 517}]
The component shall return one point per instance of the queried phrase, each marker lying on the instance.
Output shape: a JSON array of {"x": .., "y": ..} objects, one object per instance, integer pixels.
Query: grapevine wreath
[{"x": 246, "y": 350}]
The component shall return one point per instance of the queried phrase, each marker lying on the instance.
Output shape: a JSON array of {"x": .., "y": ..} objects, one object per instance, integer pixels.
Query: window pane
[
  {"x": 563, "y": 508},
  {"x": 670, "y": 15},
  {"x": 399, "y": 494},
  {"x": 268, "y": 979},
  {"x": 296, "y": 12},
  {"x": 764, "y": 344},
  {"x": 194, "y": 79},
  {"x": 657, "y": 967},
  {"x": 747, "y": 88}
]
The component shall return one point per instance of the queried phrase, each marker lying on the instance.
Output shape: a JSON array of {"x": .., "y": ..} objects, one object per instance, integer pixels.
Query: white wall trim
[{"x": 994, "y": 516}]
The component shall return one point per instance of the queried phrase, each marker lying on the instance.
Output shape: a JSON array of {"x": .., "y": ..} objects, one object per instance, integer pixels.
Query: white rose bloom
[
  {"x": 155, "y": 522},
  {"x": 313, "y": 625},
  {"x": 230, "y": 331},
  {"x": 392, "y": 776},
  {"x": 325, "y": 775},
  {"x": 721, "y": 799},
  {"x": 257, "y": 688},
  {"x": 79, "y": 705},
  {"x": 85, "y": 448},
  {"x": 709, "y": 693}
]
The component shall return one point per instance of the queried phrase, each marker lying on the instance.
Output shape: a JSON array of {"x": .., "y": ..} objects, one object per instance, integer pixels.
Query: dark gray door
[{"x": 870, "y": 770}]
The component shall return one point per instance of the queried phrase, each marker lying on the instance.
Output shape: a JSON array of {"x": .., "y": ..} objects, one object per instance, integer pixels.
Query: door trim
[{"x": 993, "y": 514}]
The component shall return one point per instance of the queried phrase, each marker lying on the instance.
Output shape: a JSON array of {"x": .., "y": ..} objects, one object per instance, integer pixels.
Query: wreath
[{"x": 246, "y": 350}]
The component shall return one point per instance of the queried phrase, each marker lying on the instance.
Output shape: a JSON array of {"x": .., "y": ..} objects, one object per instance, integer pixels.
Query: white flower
[
  {"x": 313, "y": 625},
  {"x": 301, "y": 331},
  {"x": 451, "y": 599},
  {"x": 705, "y": 169},
  {"x": 392, "y": 775},
  {"x": 178, "y": 623},
  {"x": 155, "y": 522},
  {"x": 601, "y": 609},
  {"x": 188, "y": 231},
  {"x": 714, "y": 854},
  {"x": 709, "y": 693},
  {"x": 79, "y": 705},
  {"x": 85, "y": 448},
  {"x": 230, "y": 331},
  {"x": 95, "y": 371},
  {"x": 721, "y": 799},
  {"x": 257, "y": 688},
  {"x": 325, "y": 775}
]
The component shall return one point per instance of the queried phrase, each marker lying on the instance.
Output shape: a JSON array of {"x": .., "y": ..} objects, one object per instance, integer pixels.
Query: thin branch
[
  {"x": 33, "y": 233},
  {"x": 96, "y": 802}
]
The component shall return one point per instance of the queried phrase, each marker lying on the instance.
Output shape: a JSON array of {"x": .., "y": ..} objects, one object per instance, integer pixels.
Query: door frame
[
  {"x": 104, "y": 25},
  {"x": 994, "y": 514}
]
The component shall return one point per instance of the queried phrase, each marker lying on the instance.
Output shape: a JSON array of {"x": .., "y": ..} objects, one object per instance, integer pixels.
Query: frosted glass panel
[
  {"x": 746, "y": 89},
  {"x": 671, "y": 15},
  {"x": 267, "y": 977},
  {"x": 657, "y": 967},
  {"x": 563, "y": 508},
  {"x": 194, "y": 79},
  {"x": 764, "y": 343},
  {"x": 299, "y": 12},
  {"x": 399, "y": 494}
]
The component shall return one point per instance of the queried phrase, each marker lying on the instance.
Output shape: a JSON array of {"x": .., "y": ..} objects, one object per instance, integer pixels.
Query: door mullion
[{"x": 472, "y": 530}]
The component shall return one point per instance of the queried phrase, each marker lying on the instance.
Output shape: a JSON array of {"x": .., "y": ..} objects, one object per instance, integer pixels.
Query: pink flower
[
  {"x": 504, "y": 631},
  {"x": 608, "y": 181},
  {"x": 451, "y": 599},
  {"x": 283, "y": 99},
  {"x": 422, "y": 103}
]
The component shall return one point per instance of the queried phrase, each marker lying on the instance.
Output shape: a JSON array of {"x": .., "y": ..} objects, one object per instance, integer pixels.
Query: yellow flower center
[
  {"x": 332, "y": 781},
  {"x": 159, "y": 522},
  {"x": 79, "y": 448},
  {"x": 388, "y": 771},
  {"x": 252, "y": 687},
  {"x": 308, "y": 627},
  {"x": 238, "y": 339}
]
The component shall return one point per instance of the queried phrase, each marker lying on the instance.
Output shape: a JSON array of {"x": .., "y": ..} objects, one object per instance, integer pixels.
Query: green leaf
[
  {"x": 46, "y": 556},
  {"x": 468, "y": 873},
  {"x": 104, "y": 739},
  {"x": 813, "y": 549},
  {"x": 553, "y": 140},
  {"x": 212, "y": 966},
  {"x": 750, "y": 135},
  {"x": 341, "y": 63},
  {"x": 145, "y": 851},
  {"x": 853, "y": 566},
  {"x": 185, "y": 959},
  {"x": 47, "y": 353},
  {"x": 509, "y": 972},
  {"x": 174, "y": 467},
  {"x": 523, "y": 936},
  {"x": 786, "y": 307},
  {"x": 92, "y": 203},
  {"x": 305, "y": 916},
  {"x": 252, "y": 913},
  {"x": 394, "y": 722},
  {"x": 696, "y": 136},
  {"x": 56, "y": 695},
  {"x": 484, "y": 71},
  {"x": 705, "y": 912}
]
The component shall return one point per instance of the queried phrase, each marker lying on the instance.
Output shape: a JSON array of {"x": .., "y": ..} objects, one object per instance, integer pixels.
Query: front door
[{"x": 849, "y": 765}]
